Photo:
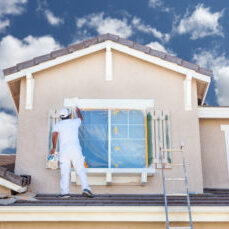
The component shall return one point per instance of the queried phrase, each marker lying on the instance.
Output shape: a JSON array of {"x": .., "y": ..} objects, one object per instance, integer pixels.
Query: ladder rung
[
  {"x": 180, "y": 227},
  {"x": 176, "y": 164},
  {"x": 176, "y": 194},
  {"x": 171, "y": 150},
  {"x": 174, "y": 179}
]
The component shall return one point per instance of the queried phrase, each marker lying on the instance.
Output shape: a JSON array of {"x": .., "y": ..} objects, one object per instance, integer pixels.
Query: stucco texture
[
  {"x": 106, "y": 225},
  {"x": 214, "y": 156},
  {"x": 85, "y": 78}
]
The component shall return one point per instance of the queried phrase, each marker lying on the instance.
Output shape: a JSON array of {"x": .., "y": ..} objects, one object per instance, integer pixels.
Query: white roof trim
[
  {"x": 109, "y": 103},
  {"x": 111, "y": 214},
  {"x": 101, "y": 46},
  {"x": 205, "y": 93},
  {"x": 213, "y": 112}
]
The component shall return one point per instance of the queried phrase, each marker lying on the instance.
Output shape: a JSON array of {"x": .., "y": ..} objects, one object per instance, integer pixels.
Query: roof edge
[{"x": 99, "y": 39}]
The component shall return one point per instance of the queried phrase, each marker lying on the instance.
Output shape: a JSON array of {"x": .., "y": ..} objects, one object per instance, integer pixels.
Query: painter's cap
[{"x": 64, "y": 113}]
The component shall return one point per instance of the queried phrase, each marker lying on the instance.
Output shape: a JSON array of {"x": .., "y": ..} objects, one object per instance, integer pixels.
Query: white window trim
[
  {"x": 140, "y": 104},
  {"x": 225, "y": 128}
]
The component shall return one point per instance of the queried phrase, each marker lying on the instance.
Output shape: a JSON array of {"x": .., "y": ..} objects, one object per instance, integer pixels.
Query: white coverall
[{"x": 70, "y": 152}]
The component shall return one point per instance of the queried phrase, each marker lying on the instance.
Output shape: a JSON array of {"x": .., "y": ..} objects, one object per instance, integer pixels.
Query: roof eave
[{"x": 116, "y": 46}]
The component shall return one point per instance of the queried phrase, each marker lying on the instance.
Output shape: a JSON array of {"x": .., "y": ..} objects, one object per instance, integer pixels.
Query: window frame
[{"x": 110, "y": 104}]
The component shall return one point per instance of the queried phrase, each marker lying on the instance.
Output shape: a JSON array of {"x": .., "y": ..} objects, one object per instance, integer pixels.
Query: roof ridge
[{"x": 99, "y": 39}]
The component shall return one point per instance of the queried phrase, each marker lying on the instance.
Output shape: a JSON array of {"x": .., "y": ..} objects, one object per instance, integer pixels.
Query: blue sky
[{"x": 197, "y": 31}]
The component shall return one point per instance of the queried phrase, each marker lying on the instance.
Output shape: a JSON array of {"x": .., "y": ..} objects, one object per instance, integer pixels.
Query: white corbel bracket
[
  {"x": 108, "y": 63},
  {"x": 29, "y": 91},
  {"x": 225, "y": 128},
  {"x": 188, "y": 92}
]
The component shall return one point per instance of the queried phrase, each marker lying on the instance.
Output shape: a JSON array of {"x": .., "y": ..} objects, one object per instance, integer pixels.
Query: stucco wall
[
  {"x": 214, "y": 157},
  {"x": 85, "y": 78},
  {"x": 106, "y": 225}
]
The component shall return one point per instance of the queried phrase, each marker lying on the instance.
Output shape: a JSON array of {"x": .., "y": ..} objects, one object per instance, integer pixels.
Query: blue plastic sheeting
[
  {"x": 93, "y": 136},
  {"x": 128, "y": 147}
]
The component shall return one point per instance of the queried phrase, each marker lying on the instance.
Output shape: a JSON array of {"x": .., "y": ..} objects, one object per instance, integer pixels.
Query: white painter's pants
[{"x": 75, "y": 157}]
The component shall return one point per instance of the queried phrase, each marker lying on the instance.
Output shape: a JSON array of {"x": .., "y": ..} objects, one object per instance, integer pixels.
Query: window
[
  {"x": 114, "y": 138},
  {"x": 127, "y": 137}
]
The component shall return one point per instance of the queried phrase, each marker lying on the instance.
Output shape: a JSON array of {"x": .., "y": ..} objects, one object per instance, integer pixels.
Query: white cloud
[
  {"x": 14, "y": 7},
  {"x": 158, "y": 4},
  {"x": 81, "y": 22},
  {"x": 219, "y": 64},
  {"x": 53, "y": 20},
  {"x": 120, "y": 27},
  {"x": 8, "y": 131},
  {"x": 103, "y": 24},
  {"x": 13, "y": 51},
  {"x": 200, "y": 23},
  {"x": 139, "y": 25},
  {"x": 155, "y": 3},
  {"x": 156, "y": 45},
  {"x": 4, "y": 24},
  {"x": 10, "y": 7}
]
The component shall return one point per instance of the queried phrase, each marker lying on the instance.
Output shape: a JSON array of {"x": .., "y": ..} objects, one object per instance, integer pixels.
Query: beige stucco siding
[
  {"x": 85, "y": 78},
  {"x": 106, "y": 225},
  {"x": 214, "y": 156}
]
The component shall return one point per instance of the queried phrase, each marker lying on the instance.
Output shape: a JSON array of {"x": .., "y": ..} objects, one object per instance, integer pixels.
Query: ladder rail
[
  {"x": 185, "y": 179},
  {"x": 164, "y": 188},
  {"x": 186, "y": 187}
]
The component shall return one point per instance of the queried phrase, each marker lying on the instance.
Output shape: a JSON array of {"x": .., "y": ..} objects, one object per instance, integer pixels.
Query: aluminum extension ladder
[{"x": 184, "y": 179}]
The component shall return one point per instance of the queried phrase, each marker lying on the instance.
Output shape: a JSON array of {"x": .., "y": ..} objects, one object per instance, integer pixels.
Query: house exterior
[{"x": 145, "y": 97}]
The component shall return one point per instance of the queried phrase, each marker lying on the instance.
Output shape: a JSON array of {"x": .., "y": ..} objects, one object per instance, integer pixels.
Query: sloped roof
[
  {"x": 8, "y": 161},
  {"x": 210, "y": 197},
  {"x": 99, "y": 39}
]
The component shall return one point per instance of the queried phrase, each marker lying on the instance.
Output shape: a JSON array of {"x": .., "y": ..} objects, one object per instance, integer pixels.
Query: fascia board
[
  {"x": 159, "y": 61},
  {"x": 58, "y": 60},
  {"x": 213, "y": 112},
  {"x": 111, "y": 214},
  {"x": 115, "y": 46}
]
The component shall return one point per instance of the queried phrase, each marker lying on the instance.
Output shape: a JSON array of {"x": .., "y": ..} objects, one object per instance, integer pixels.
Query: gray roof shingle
[
  {"x": 99, "y": 39},
  {"x": 208, "y": 198}
]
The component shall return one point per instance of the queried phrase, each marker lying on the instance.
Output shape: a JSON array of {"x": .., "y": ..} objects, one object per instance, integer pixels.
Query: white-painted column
[
  {"x": 29, "y": 91},
  {"x": 225, "y": 128},
  {"x": 188, "y": 92},
  {"x": 108, "y": 63}
]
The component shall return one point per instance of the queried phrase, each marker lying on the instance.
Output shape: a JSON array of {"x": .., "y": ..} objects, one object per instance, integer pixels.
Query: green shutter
[
  {"x": 167, "y": 136},
  {"x": 158, "y": 131}
]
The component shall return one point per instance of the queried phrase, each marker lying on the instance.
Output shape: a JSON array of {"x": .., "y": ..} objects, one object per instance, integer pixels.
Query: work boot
[
  {"x": 87, "y": 193},
  {"x": 64, "y": 196}
]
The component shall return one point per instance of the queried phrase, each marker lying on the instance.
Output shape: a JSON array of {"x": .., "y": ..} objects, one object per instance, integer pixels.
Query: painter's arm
[
  {"x": 79, "y": 114},
  {"x": 54, "y": 142}
]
